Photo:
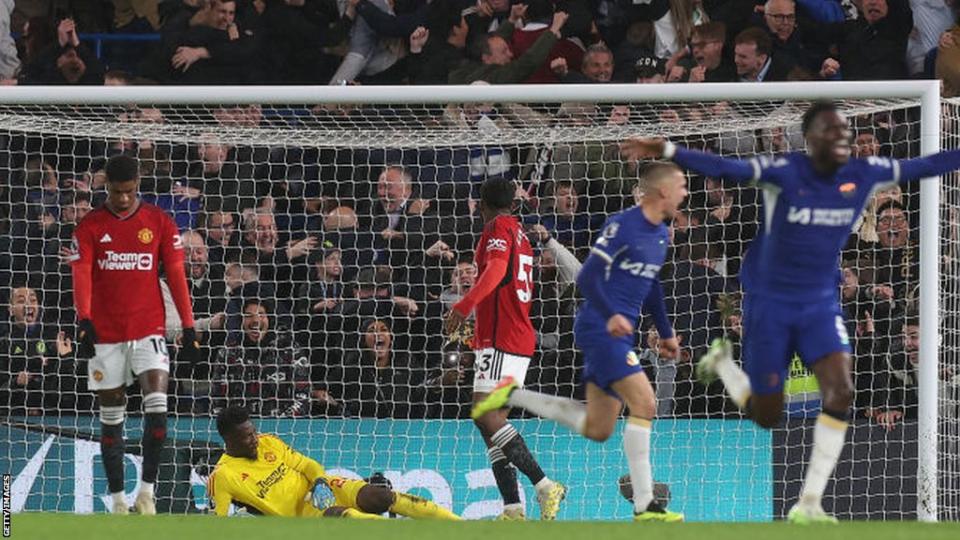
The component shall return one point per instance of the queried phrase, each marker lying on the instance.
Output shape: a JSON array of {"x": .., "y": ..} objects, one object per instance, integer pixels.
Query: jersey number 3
[{"x": 525, "y": 278}]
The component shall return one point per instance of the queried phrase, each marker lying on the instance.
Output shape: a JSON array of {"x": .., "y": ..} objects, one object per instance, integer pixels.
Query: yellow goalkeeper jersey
[{"x": 274, "y": 484}]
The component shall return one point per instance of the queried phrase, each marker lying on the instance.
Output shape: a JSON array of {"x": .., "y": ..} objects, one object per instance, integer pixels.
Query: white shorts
[
  {"x": 116, "y": 364},
  {"x": 491, "y": 365}
]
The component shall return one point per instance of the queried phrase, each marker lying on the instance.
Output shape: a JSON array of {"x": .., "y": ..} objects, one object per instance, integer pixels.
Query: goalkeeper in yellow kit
[{"x": 262, "y": 474}]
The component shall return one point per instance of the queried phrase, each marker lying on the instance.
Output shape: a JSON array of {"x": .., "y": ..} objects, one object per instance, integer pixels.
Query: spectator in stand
[
  {"x": 213, "y": 49},
  {"x": 553, "y": 311},
  {"x": 38, "y": 372},
  {"x": 707, "y": 43},
  {"x": 448, "y": 395},
  {"x": 462, "y": 278},
  {"x": 223, "y": 178},
  {"x": 874, "y": 45},
  {"x": 895, "y": 394},
  {"x": 571, "y": 228},
  {"x": 324, "y": 292},
  {"x": 65, "y": 62},
  {"x": 788, "y": 33},
  {"x": 432, "y": 60},
  {"x": 497, "y": 63},
  {"x": 541, "y": 19},
  {"x": 38, "y": 34},
  {"x": 373, "y": 296},
  {"x": 948, "y": 60},
  {"x": 397, "y": 224},
  {"x": 276, "y": 265},
  {"x": 754, "y": 58},
  {"x": 376, "y": 380},
  {"x": 894, "y": 266},
  {"x": 301, "y": 35},
  {"x": 597, "y": 66},
  {"x": 207, "y": 287},
  {"x": 220, "y": 230},
  {"x": 340, "y": 227},
  {"x": 673, "y": 21},
  {"x": 931, "y": 18},
  {"x": 267, "y": 371},
  {"x": 371, "y": 54},
  {"x": 649, "y": 70}
]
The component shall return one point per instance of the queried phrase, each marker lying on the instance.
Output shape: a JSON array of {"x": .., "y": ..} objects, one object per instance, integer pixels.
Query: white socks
[
  {"x": 735, "y": 380},
  {"x": 543, "y": 485},
  {"x": 119, "y": 498},
  {"x": 828, "y": 438},
  {"x": 146, "y": 487},
  {"x": 566, "y": 411},
  {"x": 636, "y": 445}
]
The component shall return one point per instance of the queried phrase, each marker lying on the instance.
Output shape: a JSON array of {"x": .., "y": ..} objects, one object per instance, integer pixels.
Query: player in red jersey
[
  {"x": 504, "y": 341},
  {"x": 116, "y": 256}
]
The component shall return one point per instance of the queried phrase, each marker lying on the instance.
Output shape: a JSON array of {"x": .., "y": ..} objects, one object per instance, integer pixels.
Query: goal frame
[{"x": 926, "y": 91}]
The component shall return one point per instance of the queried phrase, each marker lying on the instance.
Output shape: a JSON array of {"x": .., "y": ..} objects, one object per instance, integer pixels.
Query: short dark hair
[
  {"x": 713, "y": 31},
  {"x": 814, "y": 111},
  {"x": 910, "y": 318},
  {"x": 894, "y": 205},
  {"x": 442, "y": 17},
  {"x": 756, "y": 36},
  {"x": 265, "y": 304},
  {"x": 122, "y": 168},
  {"x": 229, "y": 418},
  {"x": 498, "y": 193},
  {"x": 540, "y": 10}
]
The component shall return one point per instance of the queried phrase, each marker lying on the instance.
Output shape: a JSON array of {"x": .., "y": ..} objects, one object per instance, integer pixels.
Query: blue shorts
[
  {"x": 607, "y": 359},
  {"x": 774, "y": 329}
]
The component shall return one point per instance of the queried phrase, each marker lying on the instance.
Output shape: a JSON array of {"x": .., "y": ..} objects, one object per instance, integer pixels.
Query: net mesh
[{"x": 352, "y": 228}]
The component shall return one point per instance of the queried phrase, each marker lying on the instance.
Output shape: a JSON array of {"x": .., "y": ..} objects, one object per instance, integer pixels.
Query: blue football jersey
[
  {"x": 807, "y": 217},
  {"x": 634, "y": 250},
  {"x": 806, "y": 220}
]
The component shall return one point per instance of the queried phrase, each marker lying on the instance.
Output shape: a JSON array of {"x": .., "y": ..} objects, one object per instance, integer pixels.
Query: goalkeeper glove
[
  {"x": 321, "y": 496},
  {"x": 189, "y": 346},
  {"x": 86, "y": 338}
]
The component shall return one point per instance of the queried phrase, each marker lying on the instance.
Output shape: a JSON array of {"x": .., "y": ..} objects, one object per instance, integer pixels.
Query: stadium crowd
[{"x": 320, "y": 276}]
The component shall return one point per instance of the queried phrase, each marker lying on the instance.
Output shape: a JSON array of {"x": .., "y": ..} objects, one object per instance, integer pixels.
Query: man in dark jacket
[
  {"x": 497, "y": 64},
  {"x": 874, "y": 46},
  {"x": 65, "y": 62}
]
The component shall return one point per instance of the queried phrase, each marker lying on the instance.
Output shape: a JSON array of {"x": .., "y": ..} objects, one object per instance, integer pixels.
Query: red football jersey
[
  {"x": 503, "y": 317},
  {"x": 124, "y": 254}
]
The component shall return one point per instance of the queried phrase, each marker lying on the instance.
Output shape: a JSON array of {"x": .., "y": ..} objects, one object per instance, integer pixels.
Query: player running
[
  {"x": 618, "y": 279},
  {"x": 116, "y": 255},
  {"x": 260, "y": 473},
  {"x": 504, "y": 342},
  {"x": 791, "y": 276}
]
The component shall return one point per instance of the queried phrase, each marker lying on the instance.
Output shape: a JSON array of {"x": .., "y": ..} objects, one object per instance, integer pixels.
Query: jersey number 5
[{"x": 525, "y": 278}]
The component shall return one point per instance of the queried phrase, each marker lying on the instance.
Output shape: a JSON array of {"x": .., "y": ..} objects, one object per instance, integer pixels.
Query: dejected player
[
  {"x": 504, "y": 341},
  {"x": 116, "y": 256},
  {"x": 618, "y": 279},
  {"x": 260, "y": 473},
  {"x": 791, "y": 275}
]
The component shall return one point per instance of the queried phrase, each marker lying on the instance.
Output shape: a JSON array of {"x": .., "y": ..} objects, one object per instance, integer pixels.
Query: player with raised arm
[
  {"x": 116, "y": 255},
  {"x": 618, "y": 279},
  {"x": 791, "y": 274},
  {"x": 504, "y": 341},
  {"x": 264, "y": 476}
]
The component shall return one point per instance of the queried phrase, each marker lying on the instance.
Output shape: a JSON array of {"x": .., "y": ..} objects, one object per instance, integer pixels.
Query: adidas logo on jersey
[{"x": 105, "y": 238}]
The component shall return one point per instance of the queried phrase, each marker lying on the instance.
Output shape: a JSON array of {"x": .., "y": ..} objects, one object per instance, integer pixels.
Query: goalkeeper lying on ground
[{"x": 267, "y": 477}]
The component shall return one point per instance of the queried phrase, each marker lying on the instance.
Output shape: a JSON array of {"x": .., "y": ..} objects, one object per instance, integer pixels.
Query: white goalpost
[{"x": 315, "y": 159}]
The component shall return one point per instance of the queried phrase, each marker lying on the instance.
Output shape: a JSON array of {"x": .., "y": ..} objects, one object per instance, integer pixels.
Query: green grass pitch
[{"x": 106, "y": 527}]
